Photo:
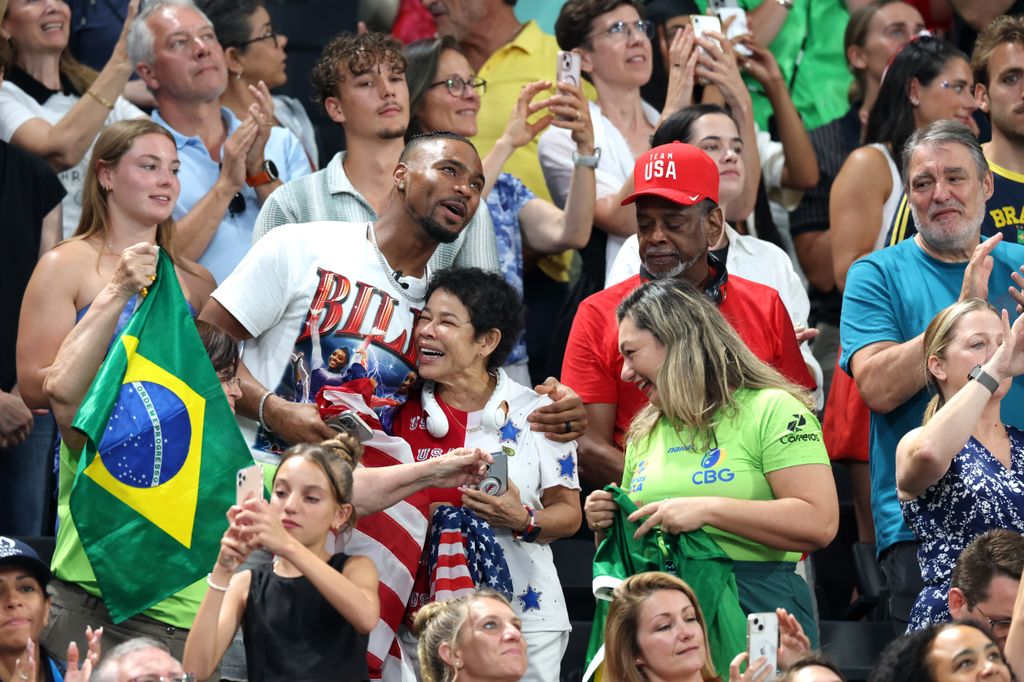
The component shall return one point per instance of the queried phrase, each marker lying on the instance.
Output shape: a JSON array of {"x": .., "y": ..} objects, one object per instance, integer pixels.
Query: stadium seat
[{"x": 855, "y": 646}]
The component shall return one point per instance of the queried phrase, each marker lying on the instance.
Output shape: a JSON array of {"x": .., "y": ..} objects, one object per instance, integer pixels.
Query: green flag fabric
[
  {"x": 694, "y": 557},
  {"x": 157, "y": 473}
]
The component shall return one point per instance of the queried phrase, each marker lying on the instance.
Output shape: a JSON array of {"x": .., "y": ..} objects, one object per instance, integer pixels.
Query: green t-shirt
[
  {"x": 822, "y": 81},
  {"x": 768, "y": 430},
  {"x": 71, "y": 564}
]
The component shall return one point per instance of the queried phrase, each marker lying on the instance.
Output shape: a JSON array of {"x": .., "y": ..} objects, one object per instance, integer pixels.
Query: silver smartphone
[
  {"x": 495, "y": 481},
  {"x": 763, "y": 639},
  {"x": 352, "y": 424},
  {"x": 567, "y": 68}
]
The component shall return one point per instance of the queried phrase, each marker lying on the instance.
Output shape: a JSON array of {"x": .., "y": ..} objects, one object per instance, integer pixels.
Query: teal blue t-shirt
[{"x": 892, "y": 295}]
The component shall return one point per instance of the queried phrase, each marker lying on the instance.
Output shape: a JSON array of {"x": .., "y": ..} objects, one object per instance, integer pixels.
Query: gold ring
[
  {"x": 152, "y": 278},
  {"x": 579, "y": 115},
  {"x": 144, "y": 292}
]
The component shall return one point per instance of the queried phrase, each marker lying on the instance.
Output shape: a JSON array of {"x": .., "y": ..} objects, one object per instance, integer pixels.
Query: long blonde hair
[
  {"x": 112, "y": 144},
  {"x": 706, "y": 361},
  {"x": 937, "y": 338},
  {"x": 440, "y": 622},
  {"x": 620, "y": 641}
]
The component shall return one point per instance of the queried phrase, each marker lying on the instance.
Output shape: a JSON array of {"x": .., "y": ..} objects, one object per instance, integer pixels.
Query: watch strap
[
  {"x": 268, "y": 173},
  {"x": 983, "y": 378},
  {"x": 587, "y": 161}
]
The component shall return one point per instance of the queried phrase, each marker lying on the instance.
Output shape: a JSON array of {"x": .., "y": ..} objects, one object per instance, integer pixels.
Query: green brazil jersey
[{"x": 767, "y": 430}]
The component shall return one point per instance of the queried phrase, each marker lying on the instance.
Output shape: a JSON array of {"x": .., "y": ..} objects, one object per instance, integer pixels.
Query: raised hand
[
  {"x": 979, "y": 268},
  {"x": 519, "y": 130},
  {"x": 682, "y": 57},
  {"x": 136, "y": 270}
]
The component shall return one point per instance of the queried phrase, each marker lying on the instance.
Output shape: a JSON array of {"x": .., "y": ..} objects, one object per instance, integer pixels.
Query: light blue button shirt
[{"x": 198, "y": 174}]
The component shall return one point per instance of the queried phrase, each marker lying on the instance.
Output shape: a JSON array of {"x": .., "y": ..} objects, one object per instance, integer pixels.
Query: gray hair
[
  {"x": 107, "y": 669},
  {"x": 943, "y": 132},
  {"x": 140, "y": 36}
]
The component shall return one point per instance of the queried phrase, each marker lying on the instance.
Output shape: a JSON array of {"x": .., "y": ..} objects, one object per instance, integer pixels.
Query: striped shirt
[{"x": 328, "y": 194}]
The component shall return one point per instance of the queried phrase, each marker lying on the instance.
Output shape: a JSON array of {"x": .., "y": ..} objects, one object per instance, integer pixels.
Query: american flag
[
  {"x": 393, "y": 538},
  {"x": 464, "y": 554}
]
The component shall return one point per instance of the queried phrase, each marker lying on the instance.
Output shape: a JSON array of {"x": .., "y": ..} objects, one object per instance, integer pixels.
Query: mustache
[{"x": 946, "y": 205}]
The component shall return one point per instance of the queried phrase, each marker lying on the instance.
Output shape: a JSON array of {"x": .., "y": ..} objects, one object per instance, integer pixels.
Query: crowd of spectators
[{"x": 680, "y": 313}]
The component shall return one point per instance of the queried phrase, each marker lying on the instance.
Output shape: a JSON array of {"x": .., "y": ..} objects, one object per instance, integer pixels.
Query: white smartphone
[
  {"x": 716, "y": 5},
  {"x": 737, "y": 28},
  {"x": 763, "y": 639},
  {"x": 567, "y": 68},
  {"x": 249, "y": 483},
  {"x": 702, "y": 23}
]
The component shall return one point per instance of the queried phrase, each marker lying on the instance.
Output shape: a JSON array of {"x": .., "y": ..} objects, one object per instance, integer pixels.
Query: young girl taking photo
[{"x": 306, "y": 615}]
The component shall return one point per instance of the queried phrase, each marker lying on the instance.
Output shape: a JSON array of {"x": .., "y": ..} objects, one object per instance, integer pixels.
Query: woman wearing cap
[
  {"x": 727, "y": 445},
  {"x": 24, "y": 612}
]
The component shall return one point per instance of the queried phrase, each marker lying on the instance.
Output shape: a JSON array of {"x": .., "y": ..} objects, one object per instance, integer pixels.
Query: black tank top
[{"x": 293, "y": 633}]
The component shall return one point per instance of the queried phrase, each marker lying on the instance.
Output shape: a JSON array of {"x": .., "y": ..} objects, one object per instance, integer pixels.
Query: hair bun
[
  {"x": 345, "y": 446},
  {"x": 426, "y": 614}
]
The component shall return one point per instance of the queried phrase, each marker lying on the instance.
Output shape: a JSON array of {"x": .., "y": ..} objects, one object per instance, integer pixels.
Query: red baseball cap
[{"x": 678, "y": 172}]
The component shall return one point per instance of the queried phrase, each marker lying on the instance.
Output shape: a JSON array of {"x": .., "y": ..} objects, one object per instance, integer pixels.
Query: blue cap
[{"x": 17, "y": 553}]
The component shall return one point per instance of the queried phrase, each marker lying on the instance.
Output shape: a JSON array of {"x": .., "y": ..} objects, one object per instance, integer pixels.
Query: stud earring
[
  {"x": 914, "y": 103},
  {"x": 238, "y": 75},
  {"x": 401, "y": 186}
]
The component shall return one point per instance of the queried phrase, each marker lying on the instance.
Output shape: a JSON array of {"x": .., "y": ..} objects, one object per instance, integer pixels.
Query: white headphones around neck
[{"x": 492, "y": 419}]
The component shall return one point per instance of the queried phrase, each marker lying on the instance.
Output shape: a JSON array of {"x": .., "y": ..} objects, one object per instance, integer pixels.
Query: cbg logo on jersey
[{"x": 711, "y": 469}]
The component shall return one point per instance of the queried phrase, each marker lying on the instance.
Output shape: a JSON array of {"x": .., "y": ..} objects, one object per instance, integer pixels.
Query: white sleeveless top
[{"x": 892, "y": 202}]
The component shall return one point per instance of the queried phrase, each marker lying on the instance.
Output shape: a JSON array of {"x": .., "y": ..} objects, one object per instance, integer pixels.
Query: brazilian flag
[{"x": 158, "y": 470}]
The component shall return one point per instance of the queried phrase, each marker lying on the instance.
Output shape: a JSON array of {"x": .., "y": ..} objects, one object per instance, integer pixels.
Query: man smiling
[{"x": 679, "y": 220}]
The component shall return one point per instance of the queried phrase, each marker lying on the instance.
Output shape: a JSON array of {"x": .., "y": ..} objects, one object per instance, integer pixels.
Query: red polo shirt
[{"x": 593, "y": 364}]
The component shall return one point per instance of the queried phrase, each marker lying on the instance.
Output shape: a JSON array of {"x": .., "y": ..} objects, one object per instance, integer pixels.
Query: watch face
[{"x": 271, "y": 169}]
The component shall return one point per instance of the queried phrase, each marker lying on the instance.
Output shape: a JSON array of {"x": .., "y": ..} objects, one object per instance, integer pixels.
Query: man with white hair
[
  {"x": 228, "y": 167},
  {"x": 141, "y": 658},
  {"x": 891, "y": 296}
]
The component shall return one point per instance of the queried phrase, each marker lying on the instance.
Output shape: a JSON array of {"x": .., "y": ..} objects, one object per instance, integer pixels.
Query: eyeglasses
[
  {"x": 457, "y": 85},
  {"x": 186, "y": 677},
  {"x": 237, "y": 204},
  {"x": 626, "y": 29},
  {"x": 269, "y": 35},
  {"x": 1000, "y": 628},
  {"x": 233, "y": 382}
]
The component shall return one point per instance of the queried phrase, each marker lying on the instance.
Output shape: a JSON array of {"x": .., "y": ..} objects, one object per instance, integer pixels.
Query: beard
[
  {"x": 391, "y": 133},
  {"x": 678, "y": 269},
  {"x": 951, "y": 241},
  {"x": 1005, "y": 124},
  {"x": 437, "y": 231}
]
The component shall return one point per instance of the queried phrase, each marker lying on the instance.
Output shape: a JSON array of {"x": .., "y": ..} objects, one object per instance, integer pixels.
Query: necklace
[
  {"x": 393, "y": 275},
  {"x": 451, "y": 413}
]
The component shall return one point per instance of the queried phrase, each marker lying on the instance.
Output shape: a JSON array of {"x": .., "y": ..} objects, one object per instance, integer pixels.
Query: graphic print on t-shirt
[{"x": 351, "y": 338}]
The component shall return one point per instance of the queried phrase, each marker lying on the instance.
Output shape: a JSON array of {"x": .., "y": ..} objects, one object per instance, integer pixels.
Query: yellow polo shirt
[{"x": 530, "y": 56}]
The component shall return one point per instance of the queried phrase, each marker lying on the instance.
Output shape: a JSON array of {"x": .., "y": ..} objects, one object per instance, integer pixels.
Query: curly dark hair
[
  {"x": 574, "y": 20},
  {"x": 356, "y": 52},
  {"x": 906, "y": 659},
  {"x": 492, "y": 304}
]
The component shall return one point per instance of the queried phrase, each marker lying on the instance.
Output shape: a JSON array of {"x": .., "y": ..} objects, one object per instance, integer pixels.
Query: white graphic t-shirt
[{"x": 323, "y": 312}]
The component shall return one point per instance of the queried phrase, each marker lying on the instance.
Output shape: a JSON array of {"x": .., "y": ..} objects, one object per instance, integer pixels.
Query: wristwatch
[
  {"x": 983, "y": 378},
  {"x": 586, "y": 161},
  {"x": 786, "y": 4},
  {"x": 268, "y": 173},
  {"x": 532, "y": 530}
]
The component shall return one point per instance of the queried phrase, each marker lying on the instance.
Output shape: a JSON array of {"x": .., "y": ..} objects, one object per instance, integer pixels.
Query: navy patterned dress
[{"x": 977, "y": 494}]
